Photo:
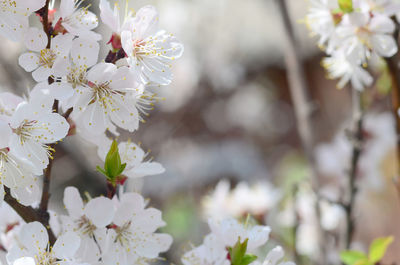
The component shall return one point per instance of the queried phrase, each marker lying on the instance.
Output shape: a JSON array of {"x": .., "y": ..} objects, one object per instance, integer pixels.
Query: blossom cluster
[{"x": 354, "y": 34}]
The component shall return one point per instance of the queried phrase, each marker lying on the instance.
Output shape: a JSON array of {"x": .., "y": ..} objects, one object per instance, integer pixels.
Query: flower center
[
  {"x": 46, "y": 258},
  {"x": 139, "y": 48},
  {"x": 47, "y": 58},
  {"x": 77, "y": 77},
  {"x": 85, "y": 226},
  {"x": 24, "y": 131},
  {"x": 124, "y": 235}
]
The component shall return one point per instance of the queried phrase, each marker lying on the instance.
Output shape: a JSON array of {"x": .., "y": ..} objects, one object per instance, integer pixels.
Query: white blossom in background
[
  {"x": 34, "y": 244},
  {"x": 380, "y": 137},
  {"x": 361, "y": 35},
  {"x": 132, "y": 238},
  {"x": 138, "y": 164},
  {"x": 340, "y": 66},
  {"x": 89, "y": 221},
  {"x": 301, "y": 212},
  {"x": 256, "y": 200},
  {"x": 229, "y": 230},
  {"x": 225, "y": 234},
  {"x": 211, "y": 252},
  {"x": 352, "y": 38},
  {"x": 274, "y": 257},
  {"x": 14, "y": 17},
  {"x": 321, "y": 19},
  {"x": 45, "y": 62}
]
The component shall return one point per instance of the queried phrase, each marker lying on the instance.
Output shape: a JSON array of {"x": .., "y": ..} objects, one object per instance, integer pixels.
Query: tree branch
[
  {"x": 28, "y": 214},
  {"x": 393, "y": 65},
  {"x": 302, "y": 107},
  {"x": 357, "y": 139}
]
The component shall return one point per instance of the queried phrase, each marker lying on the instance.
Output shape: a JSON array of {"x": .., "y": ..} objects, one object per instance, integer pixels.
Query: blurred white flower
[{"x": 255, "y": 200}]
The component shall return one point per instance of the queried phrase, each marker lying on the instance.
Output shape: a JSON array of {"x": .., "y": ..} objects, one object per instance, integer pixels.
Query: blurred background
[{"x": 228, "y": 115}]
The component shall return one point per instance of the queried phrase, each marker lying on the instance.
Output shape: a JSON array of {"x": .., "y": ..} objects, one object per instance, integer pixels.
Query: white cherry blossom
[
  {"x": 34, "y": 243},
  {"x": 14, "y": 17},
  {"x": 347, "y": 70},
  {"x": 88, "y": 221},
  {"x": 110, "y": 96},
  {"x": 361, "y": 35},
  {"x": 46, "y": 62},
  {"x": 133, "y": 236},
  {"x": 77, "y": 20},
  {"x": 274, "y": 257},
  {"x": 211, "y": 252},
  {"x": 16, "y": 173},
  {"x": 34, "y": 126},
  {"x": 229, "y": 230},
  {"x": 150, "y": 50}
]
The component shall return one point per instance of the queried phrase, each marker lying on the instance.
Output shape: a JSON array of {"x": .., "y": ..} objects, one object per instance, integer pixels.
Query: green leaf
[
  {"x": 351, "y": 257},
  {"x": 121, "y": 169},
  {"x": 101, "y": 170},
  {"x": 346, "y": 5},
  {"x": 378, "y": 248},
  {"x": 248, "y": 258},
  {"x": 112, "y": 166},
  {"x": 238, "y": 253}
]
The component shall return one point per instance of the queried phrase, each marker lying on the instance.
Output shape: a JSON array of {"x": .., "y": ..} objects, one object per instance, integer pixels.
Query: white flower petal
[
  {"x": 66, "y": 245},
  {"x": 73, "y": 202},
  {"x": 35, "y": 39},
  {"x": 100, "y": 211},
  {"x": 29, "y": 61}
]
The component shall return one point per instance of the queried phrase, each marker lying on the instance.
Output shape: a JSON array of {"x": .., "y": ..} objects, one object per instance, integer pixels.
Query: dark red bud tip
[
  {"x": 115, "y": 41},
  {"x": 121, "y": 179}
]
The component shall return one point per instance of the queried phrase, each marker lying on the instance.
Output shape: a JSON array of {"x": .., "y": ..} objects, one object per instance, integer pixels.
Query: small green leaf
[
  {"x": 363, "y": 262},
  {"x": 346, "y": 5},
  {"x": 238, "y": 253},
  {"x": 101, "y": 170},
  {"x": 378, "y": 248},
  {"x": 248, "y": 258},
  {"x": 121, "y": 169},
  {"x": 351, "y": 257},
  {"x": 112, "y": 165}
]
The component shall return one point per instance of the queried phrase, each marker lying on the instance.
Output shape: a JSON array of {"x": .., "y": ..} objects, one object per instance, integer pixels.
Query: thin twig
[
  {"x": 45, "y": 22},
  {"x": 357, "y": 140},
  {"x": 44, "y": 201},
  {"x": 300, "y": 98},
  {"x": 67, "y": 113},
  {"x": 393, "y": 65},
  {"x": 296, "y": 255}
]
